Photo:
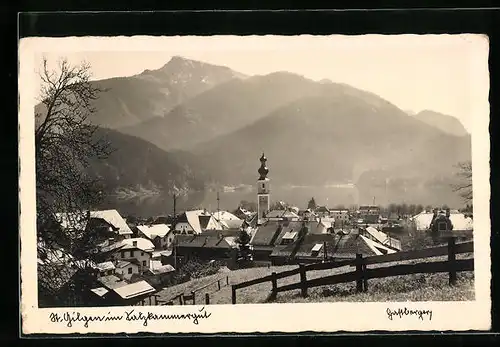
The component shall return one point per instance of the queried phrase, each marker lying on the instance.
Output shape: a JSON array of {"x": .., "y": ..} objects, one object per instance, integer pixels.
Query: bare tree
[
  {"x": 65, "y": 143},
  {"x": 464, "y": 187}
]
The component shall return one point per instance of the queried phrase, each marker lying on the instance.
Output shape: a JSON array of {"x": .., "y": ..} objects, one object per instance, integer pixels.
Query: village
[{"x": 135, "y": 260}]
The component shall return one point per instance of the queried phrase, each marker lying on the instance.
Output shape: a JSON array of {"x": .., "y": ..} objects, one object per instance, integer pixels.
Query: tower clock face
[{"x": 263, "y": 201}]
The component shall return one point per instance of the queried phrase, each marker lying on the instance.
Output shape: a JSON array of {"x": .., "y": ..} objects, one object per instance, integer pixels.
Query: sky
[{"x": 414, "y": 72}]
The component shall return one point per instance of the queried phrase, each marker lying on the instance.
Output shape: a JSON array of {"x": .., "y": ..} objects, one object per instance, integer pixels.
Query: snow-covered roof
[
  {"x": 152, "y": 231},
  {"x": 317, "y": 247},
  {"x": 107, "y": 265},
  {"x": 114, "y": 218},
  {"x": 378, "y": 235},
  {"x": 138, "y": 243},
  {"x": 79, "y": 220},
  {"x": 101, "y": 291},
  {"x": 225, "y": 215},
  {"x": 122, "y": 263},
  {"x": 194, "y": 220},
  {"x": 158, "y": 254},
  {"x": 134, "y": 289},
  {"x": 157, "y": 267},
  {"x": 375, "y": 246}
]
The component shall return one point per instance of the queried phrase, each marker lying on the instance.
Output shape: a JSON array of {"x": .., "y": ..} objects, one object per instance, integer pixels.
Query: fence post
[
  {"x": 451, "y": 261},
  {"x": 218, "y": 284},
  {"x": 303, "y": 280},
  {"x": 227, "y": 280},
  {"x": 233, "y": 294},
  {"x": 274, "y": 282},
  {"x": 193, "y": 295},
  {"x": 359, "y": 273},
  {"x": 181, "y": 299},
  {"x": 365, "y": 280},
  {"x": 207, "y": 299}
]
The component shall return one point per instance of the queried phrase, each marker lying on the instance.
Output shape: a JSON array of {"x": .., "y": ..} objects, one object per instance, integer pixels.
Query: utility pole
[
  {"x": 325, "y": 259},
  {"x": 175, "y": 201},
  {"x": 218, "y": 207}
]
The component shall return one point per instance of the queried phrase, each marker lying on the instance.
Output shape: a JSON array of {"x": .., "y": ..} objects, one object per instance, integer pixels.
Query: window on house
[
  {"x": 131, "y": 254},
  {"x": 142, "y": 253},
  {"x": 129, "y": 270},
  {"x": 143, "y": 263},
  {"x": 110, "y": 272},
  {"x": 123, "y": 254}
]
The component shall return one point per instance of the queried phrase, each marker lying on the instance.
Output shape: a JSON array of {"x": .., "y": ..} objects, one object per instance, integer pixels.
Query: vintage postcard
[{"x": 254, "y": 184}]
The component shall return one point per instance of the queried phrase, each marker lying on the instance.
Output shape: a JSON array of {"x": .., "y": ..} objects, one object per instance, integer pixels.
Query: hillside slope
[{"x": 136, "y": 164}]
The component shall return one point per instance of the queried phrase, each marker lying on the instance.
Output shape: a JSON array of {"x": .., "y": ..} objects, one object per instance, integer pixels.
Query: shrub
[{"x": 196, "y": 268}]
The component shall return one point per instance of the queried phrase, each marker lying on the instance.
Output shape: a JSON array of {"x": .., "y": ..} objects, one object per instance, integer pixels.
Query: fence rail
[
  {"x": 182, "y": 298},
  {"x": 362, "y": 273}
]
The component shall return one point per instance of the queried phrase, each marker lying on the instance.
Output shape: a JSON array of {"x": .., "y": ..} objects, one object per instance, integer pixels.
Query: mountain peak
[{"x": 443, "y": 122}]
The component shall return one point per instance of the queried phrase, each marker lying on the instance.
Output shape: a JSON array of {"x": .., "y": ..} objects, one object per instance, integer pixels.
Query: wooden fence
[
  {"x": 183, "y": 299},
  {"x": 362, "y": 274}
]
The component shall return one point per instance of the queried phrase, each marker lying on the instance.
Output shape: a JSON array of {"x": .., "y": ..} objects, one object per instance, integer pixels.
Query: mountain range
[{"x": 194, "y": 123}]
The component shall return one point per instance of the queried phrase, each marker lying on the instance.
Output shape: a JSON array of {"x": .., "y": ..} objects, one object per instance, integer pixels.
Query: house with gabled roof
[
  {"x": 205, "y": 247},
  {"x": 115, "y": 292},
  {"x": 106, "y": 268},
  {"x": 228, "y": 220},
  {"x": 460, "y": 222},
  {"x": 137, "y": 251},
  {"x": 161, "y": 235},
  {"x": 322, "y": 211},
  {"x": 273, "y": 234},
  {"x": 127, "y": 268},
  {"x": 107, "y": 223},
  {"x": 194, "y": 222}
]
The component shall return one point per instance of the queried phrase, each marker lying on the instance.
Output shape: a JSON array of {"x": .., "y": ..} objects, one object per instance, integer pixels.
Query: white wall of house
[
  {"x": 142, "y": 257},
  {"x": 166, "y": 241},
  {"x": 184, "y": 228},
  {"x": 128, "y": 271}
]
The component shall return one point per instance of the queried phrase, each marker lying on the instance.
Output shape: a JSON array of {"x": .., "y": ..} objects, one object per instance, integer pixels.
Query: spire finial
[{"x": 263, "y": 170}]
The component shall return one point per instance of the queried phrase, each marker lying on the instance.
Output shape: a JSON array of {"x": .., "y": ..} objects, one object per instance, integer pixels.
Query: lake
[{"x": 331, "y": 196}]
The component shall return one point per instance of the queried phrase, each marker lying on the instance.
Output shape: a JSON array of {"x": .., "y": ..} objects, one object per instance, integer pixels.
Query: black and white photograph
[{"x": 198, "y": 174}]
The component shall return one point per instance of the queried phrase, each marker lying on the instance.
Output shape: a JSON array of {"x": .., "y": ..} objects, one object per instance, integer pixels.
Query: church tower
[{"x": 263, "y": 192}]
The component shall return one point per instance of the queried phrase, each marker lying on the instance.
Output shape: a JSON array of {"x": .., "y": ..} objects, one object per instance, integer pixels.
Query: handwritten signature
[
  {"x": 129, "y": 316},
  {"x": 401, "y": 312}
]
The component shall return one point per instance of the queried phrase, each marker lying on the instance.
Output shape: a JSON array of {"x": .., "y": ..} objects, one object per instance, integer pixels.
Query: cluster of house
[{"x": 132, "y": 262}]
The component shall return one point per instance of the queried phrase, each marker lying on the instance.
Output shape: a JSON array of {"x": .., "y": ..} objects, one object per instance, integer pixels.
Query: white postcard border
[{"x": 248, "y": 318}]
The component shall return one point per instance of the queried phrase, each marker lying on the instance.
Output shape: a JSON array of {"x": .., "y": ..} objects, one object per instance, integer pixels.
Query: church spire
[{"x": 263, "y": 170}]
